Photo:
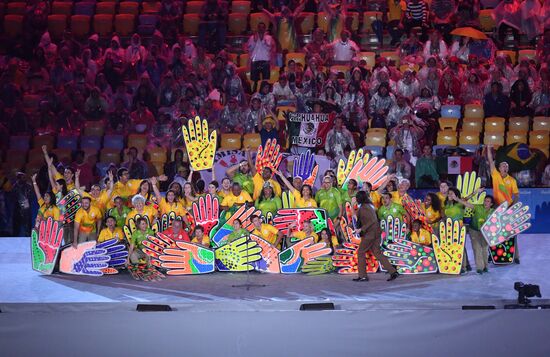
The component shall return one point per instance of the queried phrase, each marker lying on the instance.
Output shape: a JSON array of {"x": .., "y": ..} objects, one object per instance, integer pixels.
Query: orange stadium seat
[
  {"x": 57, "y": 24},
  {"x": 252, "y": 140},
  {"x": 469, "y": 137},
  {"x": 16, "y": 8},
  {"x": 494, "y": 139},
  {"x": 446, "y": 137},
  {"x": 80, "y": 25},
  {"x": 105, "y": 8},
  {"x": 473, "y": 111},
  {"x": 513, "y": 136},
  {"x": 472, "y": 124},
  {"x": 158, "y": 155},
  {"x": 298, "y": 57},
  {"x": 39, "y": 140},
  {"x": 125, "y": 24},
  {"x": 375, "y": 138},
  {"x": 110, "y": 156},
  {"x": 13, "y": 24},
  {"x": 256, "y": 18},
  {"x": 62, "y": 8},
  {"x": 191, "y": 24},
  {"x": 323, "y": 21},
  {"x": 129, "y": 7},
  {"x": 539, "y": 138},
  {"x": 63, "y": 155},
  {"x": 150, "y": 7},
  {"x": 230, "y": 141},
  {"x": 541, "y": 123},
  {"x": 194, "y": 7},
  {"x": 103, "y": 24},
  {"x": 448, "y": 123},
  {"x": 527, "y": 54},
  {"x": 495, "y": 124},
  {"x": 241, "y": 7},
  {"x": 512, "y": 54},
  {"x": 486, "y": 20},
  {"x": 393, "y": 56},
  {"x": 237, "y": 23},
  {"x": 519, "y": 124},
  {"x": 94, "y": 128},
  {"x": 369, "y": 57},
  {"x": 137, "y": 140}
]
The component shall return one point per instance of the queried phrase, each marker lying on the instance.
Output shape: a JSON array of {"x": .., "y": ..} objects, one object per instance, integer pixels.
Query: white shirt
[
  {"x": 260, "y": 49},
  {"x": 344, "y": 51}
]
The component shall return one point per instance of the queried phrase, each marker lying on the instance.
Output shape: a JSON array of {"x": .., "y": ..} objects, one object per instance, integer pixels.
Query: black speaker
[
  {"x": 478, "y": 307},
  {"x": 152, "y": 307},
  {"x": 317, "y": 306}
]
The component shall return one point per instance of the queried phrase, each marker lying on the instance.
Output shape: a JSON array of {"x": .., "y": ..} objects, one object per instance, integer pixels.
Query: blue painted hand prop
[
  {"x": 118, "y": 255},
  {"x": 85, "y": 259},
  {"x": 305, "y": 168}
]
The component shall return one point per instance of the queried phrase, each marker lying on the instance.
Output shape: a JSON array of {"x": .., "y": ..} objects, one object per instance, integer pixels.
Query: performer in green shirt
[
  {"x": 329, "y": 198},
  {"x": 479, "y": 244},
  {"x": 136, "y": 241},
  {"x": 390, "y": 208}
]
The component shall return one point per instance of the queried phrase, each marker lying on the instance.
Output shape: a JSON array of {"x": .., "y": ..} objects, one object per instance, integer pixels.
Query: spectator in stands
[
  {"x": 415, "y": 15},
  {"x": 344, "y": 48},
  {"x": 86, "y": 177},
  {"x": 407, "y": 135},
  {"x": 317, "y": 47},
  {"x": 282, "y": 92},
  {"x": 338, "y": 138},
  {"x": 540, "y": 104},
  {"x": 213, "y": 16},
  {"x": 397, "y": 111},
  {"x": 284, "y": 25},
  {"x": 49, "y": 48},
  {"x": 472, "y": 89},
  {"x": 426, "y": 175},
  {"x": 543, "y": 46},
  {"x": 330, "y": 95},
  {"x": 169, "y": 91},
  {"x": 435, "y": 46},
  {"x": 268, "y": 128},
  {"x": 495, "y": 103},
  {"x": 136, "y": 167},
  {"x": 399, "y": 166},
  {"x": 171, "y": 16},
  {"x": 467, "y": 13},
  {"x": 95, "y": 106},
  {"x": 380, "y": 105},
  {"x": 231, "y": 118},
  {"x": 119, "y": 118},
  {"x": 408, "y": 86},
  {"x": 520, "y": 97},
  {"x": 254, "y": 115},
  {"x": 442, "y": 15},
  {"x": 261, "y": 48},
  {"x": 142, "y": 120},
  {"x": 233, "y": 86}
]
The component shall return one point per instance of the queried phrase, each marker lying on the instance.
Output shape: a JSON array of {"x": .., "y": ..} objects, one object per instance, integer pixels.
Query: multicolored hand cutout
[
  {"x": 45, "y": 244},
  {"x": 201, "y": 147},
  {"x": 449, "y": 246}
]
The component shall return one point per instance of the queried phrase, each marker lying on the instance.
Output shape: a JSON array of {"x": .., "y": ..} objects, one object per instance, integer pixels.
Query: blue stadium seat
[
  {"x": 84, "y": 8},
  {"x": 67, "y": 142},
  {"x": 90, "y": 142},
  {"x": 20, "y": 142},
  {"x": 147, "y": 24},
  {"x": 113, "y": 142},
  {"x": 451, "y": 111}
]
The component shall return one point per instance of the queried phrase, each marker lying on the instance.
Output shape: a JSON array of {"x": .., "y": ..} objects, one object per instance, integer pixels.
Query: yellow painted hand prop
[
  {"x": 201, "y": 147},
  {"x": 449, "y": 246},
  {"x": 469, "y": 185},
  {"x": 344, "y": 168}
]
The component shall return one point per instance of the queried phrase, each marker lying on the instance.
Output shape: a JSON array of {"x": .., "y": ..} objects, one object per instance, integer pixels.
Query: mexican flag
[{"x": 309, "y": 129}]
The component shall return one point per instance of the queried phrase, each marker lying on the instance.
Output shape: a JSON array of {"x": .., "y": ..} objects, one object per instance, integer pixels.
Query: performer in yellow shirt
[
  {"x": 200, "y": 238},
  {"x": 99, "y": 198},
  {"x": 420, "y": 235},
  {"x": 306, "y": 232},
  {"x": 266, "y": 231},
  {"x": 170, "y": 203},
  {"x": 433, "y": 208},
  {"x": 47, "y": 207},
  {"x": 87, "y": 222},
  {"x": 68, "y": 173},
  {"x": 303, "y": 198},
  {"x": 443, "y": 191},
  {"x": 238, "y": 197},
  {"x": 111, "y": 231},
  {"x": 140, "y": 209},
  {"x": 260, "y": 180}
]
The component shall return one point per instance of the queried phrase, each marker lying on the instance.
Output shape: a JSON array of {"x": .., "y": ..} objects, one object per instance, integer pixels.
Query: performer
[
  {"x": 176, "y": 231},
  {"x": 420, "y": 235},
  {"x": 306, "y": 232},
  {"x": 370, "y": 233},
  {"x": 266, "y": 231},
  {"x": 87, "y": 222},
  {"x": 136, "y": 241},
  {"x": 479, "y": 244},
  {"x": 111, "y": 231},
  {"x": 505, "y": 187},
  {"x": 200, "y": 238}
]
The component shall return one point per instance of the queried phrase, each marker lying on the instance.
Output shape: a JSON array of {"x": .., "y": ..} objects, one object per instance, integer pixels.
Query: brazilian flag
[{"x": 519, "y": 157}]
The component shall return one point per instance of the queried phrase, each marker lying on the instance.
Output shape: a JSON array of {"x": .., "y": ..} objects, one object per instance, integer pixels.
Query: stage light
[
  {"x": 317, "y": 306},
  {"x": 525, "y": 291},
  {"x": 152, "y": 307}
]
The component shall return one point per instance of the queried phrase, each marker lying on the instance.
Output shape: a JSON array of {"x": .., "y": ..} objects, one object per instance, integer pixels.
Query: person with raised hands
[
  {"x": 242, "y": 173},
  {"x": 46, "y": 203},
  {"x": 237, "y": 198},
  {"x": 68, "y": 173},
  {"x": 266, "y": 231},
  {"x": 303, "y": 198},
  {"x": 98, "y": 197},
  {"x": 170, "y": 203},
  {"x": 125, "y": 187}
]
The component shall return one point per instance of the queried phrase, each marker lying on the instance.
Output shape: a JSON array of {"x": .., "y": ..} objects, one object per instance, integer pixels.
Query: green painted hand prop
[
  {"x": 238, "y": 255},
  {"x": 469, "y": 185},
  {"x": 318, "y": 266}
]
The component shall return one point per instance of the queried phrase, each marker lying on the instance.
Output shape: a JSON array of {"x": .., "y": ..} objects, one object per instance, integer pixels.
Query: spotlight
[{"x": 525, "y": 291}]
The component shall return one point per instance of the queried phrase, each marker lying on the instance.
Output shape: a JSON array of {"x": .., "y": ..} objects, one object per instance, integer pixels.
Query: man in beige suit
[{"x": 370, "y": 233}]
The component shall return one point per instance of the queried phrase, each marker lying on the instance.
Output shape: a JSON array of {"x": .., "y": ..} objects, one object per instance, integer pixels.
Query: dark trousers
[
  {"x": 258, "y": 68},
  {"x": 206, "y": 28},
  {"x": 393, "y": 29},
  {"x": 371, "y": 242},
  {"x": 22, "y": 222}
]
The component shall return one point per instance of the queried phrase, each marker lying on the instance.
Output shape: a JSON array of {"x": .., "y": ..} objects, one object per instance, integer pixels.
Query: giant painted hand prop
[
  {"x": 293, "y": 258},
  {"x": 449, "y": 246},
  {"x": 201, "y": 147},
  {"x": 411, "y": 258},
  {"x": 45, "y": 243}
]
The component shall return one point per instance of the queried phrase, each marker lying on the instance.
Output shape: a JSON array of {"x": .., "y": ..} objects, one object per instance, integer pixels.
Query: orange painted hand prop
[
  {"x": 201, "y": 147},
  {"x": 269, "y": 156},
  {"x": 345, "y": 259}
]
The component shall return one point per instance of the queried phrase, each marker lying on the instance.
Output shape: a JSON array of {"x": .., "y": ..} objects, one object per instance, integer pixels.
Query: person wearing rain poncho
[{"x": 285, "y": 26}]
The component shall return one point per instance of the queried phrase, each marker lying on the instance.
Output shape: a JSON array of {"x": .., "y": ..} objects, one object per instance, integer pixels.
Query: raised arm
[
  {"x": 111, "y": 184},
  {"x": 250, "y": 163},
  {"x": 490, "y": 157},
  {"x": 271, "y": 17},
  {"x": 299, "y": 9},
  {"x": 285, "y": 181},
  {"x": 77, "y": 182},
  {"x": 230, "y": 172},
  {"x": 36, "y": 189},
  {"x": 383, "y": 186},
  {"x": 154, "y": 184},
  {"x": 49, "y": 160}
]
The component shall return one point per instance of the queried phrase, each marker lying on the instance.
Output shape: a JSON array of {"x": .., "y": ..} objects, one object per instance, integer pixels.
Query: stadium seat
[
  {"x": 354, "y": 27},
  {"x": 256, "y": 18},
  {"x": 240, "y": 7},
  {"x": 539, "y": 138},
  {"x": 486, "y": 20},
  {"x": 274, "y": 73},
  {"x": 375, "y": 138},
  {"x": 473, "y": 111},
  {"x": 231, "y": 141},
  {"x": 527, "y": 54},
  {"x": 90, "y": 142},
  {"x": 90, "y": 156},
  {"x": 94, "y": 128},
  {"x": 35, "y": 156},
  {"x": 103, "y": 24},
  {"x": 541, "y": 123},
  {"x": 137, "y": 140},
  {"x": 369, "y": 57},
  {"x": 323, "y": 21},
  {"x": 158, "y": 155},
  {"x": 150, "y": 7},
  {"x": 105, "y": 8},
  {"x": 129, "y": 7},
  {"x": 13, "y": 24},
  {"x": 20, "y": 142},
  {"x": 513, "y": 136},
  {"x": 124, "y": 24},
  {"x": 16, "y": 8},
  {"x": 84, "y": 8},
  {"x": 494, "y": 139},
  {"x": 62, "y": 8},
  {"x": 32, "y": 168},
  {"x": 243, "y": 59},
  {"x": 110, "y": 156},
  {"x": 237, "y": 23},
  {"x": 519, "y": 124},
  {"x": 80, "y": 25},
  {"x": 451, "y": 111},
  {"x": 298, "y": 57},
  {"x": 368, "y": 18},
  {"x": 407, "y": 67},
  {"x": 306, "y": 23},
  {"x": 392, "y": 56},
  {"x": 495, "y": 124},
  {"x": 446, "y": 137},
  {"x": 57, "y": 24},
  {"x": 469, "y": 137},
  {"x": 194, "y": 7},
  {"x": 67, "y": 142},
  {"x": 191, "y": 24},
  {"x": 340, "y": 68},
  {"x": 147, "y": 24},
  {"x": 252, "y": 140},
  {"x": 63, "y": 155},
  {"x": 15, "y": 159},
  {"x": 472, "y": 124},
  {"x": 512, "y": 54},
  {"x": 113, "y": 142},
  {"x": 39, "y": 140},
  {"x": 448, "y": 123}
]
